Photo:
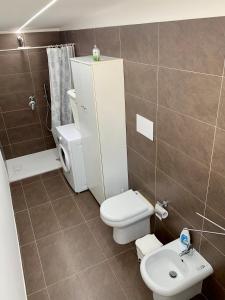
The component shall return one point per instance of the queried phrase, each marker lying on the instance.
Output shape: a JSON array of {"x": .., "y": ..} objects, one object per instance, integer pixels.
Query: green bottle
[{"x": 96, "y": 53}]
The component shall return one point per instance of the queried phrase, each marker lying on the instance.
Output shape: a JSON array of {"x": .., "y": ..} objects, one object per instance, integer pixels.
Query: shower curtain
[{"x": 60, "y": 82}]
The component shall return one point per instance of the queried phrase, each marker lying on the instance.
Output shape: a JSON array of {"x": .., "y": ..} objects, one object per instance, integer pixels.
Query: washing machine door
[{"x": 64, "y": 158}]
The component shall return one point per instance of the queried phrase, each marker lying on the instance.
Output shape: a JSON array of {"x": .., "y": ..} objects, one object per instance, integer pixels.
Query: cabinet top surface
[{"x": 89, "y": 59}]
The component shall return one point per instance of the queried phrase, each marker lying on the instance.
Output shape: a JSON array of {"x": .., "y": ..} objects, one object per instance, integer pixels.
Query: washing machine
[{"x": 71, "y": 156}]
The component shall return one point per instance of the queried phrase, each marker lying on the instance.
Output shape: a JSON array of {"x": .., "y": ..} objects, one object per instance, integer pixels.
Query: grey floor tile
[
  {"x": 104, "y": 236},
  {"x": 18, "y": 198},
  {"x": 127, "y": 270},
  {"x": 44, "y": 220},
  {"x": 87, "y": 204},
  {"x": 67, "y": 212},
  {"x": 100, "y": 283},
  {"x": 56, "y": 187},
  {"x": 24, "y": 228},
  {"x": 32, "y": 269},
  {"x": 35, "y": 194},
  {"x": 69, "y": 289},
  {"x": 42, "y": 295},
  {"x": 69, "y": 252}
]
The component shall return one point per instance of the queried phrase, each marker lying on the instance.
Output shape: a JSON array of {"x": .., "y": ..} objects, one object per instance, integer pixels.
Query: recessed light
[{"x": 36, "y": 15}]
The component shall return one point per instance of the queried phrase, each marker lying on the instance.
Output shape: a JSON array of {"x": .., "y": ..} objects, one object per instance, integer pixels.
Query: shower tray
[{"x": 33, "y": 164}]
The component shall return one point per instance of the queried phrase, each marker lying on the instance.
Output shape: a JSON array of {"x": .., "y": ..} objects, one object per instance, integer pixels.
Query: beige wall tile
[
  {"x": 193, "y": 94},
  {"x": 196, "y": 45}
]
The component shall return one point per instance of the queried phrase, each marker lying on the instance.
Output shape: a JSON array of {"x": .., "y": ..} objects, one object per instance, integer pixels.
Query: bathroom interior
[{"x": 112, "y": 150}]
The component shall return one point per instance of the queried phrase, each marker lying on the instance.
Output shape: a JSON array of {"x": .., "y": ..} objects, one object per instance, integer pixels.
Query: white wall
[{"x": 11, "y": 275}]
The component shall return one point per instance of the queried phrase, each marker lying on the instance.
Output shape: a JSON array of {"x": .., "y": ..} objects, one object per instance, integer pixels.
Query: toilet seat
[{"x": 124, "y": 209}]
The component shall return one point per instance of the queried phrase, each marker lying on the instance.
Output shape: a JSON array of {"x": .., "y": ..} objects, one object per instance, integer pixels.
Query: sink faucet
[{"x": 188, "y": 250}]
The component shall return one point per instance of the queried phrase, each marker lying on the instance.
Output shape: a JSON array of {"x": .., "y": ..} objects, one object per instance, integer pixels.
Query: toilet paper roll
[{"x": 160, "y": 212}]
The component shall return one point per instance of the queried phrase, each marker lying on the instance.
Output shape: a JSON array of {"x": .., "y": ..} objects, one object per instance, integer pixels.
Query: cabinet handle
[{"x": 83, "y": 107}]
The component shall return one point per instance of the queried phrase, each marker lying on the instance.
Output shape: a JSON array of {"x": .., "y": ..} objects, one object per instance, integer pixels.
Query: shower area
[{"x": 25, "y": 105}]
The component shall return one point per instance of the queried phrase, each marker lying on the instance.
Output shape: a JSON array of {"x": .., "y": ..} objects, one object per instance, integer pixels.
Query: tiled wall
[
  {"x": 174, "y": 76},
  {"x": 22, "y": 74}
]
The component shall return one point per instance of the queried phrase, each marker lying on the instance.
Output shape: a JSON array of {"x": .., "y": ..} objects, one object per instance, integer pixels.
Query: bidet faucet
[{"x": 189, "y": 250}]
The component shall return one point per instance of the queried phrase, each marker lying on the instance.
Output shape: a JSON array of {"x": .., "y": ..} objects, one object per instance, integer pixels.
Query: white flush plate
[{"x": 144, "y": 126}]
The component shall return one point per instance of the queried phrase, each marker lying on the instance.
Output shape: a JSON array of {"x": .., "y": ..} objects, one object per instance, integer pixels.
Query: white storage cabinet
[{"x": 101, "y": 107}]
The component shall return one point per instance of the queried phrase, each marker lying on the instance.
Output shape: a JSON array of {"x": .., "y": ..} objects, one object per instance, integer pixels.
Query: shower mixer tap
[
  {"x": 20, "y": 41},
  {"x": 32, "y": 102}
]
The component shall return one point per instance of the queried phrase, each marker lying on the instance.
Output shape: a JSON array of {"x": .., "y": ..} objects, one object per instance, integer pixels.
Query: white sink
[{"x": 189, "y": 271}]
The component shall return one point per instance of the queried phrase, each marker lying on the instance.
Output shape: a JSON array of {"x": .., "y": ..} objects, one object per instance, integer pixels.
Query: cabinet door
[{"x": 89, "y": 129}]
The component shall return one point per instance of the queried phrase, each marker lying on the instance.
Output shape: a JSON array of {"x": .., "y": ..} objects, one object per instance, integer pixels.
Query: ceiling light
[{"x": 36, "y": 15}]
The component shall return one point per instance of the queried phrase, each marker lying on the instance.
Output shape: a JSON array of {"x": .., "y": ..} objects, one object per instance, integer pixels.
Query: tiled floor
[{"x": 67, "y": 252}]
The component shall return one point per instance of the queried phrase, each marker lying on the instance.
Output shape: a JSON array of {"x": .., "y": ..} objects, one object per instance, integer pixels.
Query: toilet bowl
[{"x": 128, "y": 213}]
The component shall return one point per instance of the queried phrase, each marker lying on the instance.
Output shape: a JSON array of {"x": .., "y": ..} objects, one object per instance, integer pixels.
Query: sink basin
[{"x": 171, "y": 276}]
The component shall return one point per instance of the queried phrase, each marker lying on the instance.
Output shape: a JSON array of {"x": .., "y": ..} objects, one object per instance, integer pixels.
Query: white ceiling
[
  {"x": 76, "y": 14},
  {"x": 13, "y": 13}
]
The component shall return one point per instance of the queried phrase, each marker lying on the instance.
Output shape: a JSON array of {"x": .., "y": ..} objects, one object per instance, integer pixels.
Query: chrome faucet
[
  {"x": 188, "y": 250},
  {"x": 32, "y": 102}
]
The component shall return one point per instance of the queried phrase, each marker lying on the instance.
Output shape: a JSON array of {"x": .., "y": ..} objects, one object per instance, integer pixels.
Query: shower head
[{"x": 20, "y": 41}]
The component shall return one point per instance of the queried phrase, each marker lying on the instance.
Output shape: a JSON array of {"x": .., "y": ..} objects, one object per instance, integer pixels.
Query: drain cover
[{"x": 173, "y": 274}]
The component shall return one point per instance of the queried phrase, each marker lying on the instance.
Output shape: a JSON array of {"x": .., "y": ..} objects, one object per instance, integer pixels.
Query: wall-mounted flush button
[{"x": 144, "y": 126}]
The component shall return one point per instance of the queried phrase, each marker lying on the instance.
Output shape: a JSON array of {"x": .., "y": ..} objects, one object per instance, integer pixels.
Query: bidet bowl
[{"x": 166, "y": 273}]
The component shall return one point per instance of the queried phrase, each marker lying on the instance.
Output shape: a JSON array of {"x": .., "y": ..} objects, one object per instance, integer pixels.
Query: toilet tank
[{"x": 73, "y": 103}]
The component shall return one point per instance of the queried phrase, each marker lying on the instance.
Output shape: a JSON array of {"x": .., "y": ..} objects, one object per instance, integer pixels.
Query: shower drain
[{"x": 173, "y": 274}]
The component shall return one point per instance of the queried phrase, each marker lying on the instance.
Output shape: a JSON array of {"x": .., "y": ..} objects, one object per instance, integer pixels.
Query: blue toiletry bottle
[{"x": 185, "y": 239}]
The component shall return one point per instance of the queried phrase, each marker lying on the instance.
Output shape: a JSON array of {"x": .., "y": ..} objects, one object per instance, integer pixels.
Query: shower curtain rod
[{"x": 38, "y": 47}]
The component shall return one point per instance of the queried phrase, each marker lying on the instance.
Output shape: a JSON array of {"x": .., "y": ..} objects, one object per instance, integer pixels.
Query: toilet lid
[{"x": 124, "y": 206}]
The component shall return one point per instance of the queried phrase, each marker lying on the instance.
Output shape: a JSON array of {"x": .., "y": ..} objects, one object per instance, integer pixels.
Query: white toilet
[{"x": 128, "y": 213}]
